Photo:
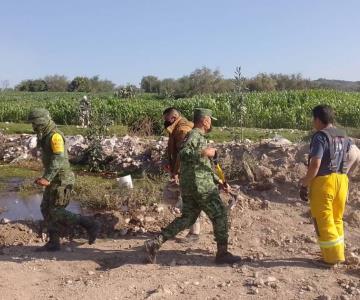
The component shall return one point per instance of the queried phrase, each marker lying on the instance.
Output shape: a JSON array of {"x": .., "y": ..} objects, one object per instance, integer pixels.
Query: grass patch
[
  {"x": 218, "y": 134},
  {"x": 10, "y": 171},
  {"x": 19, "y": 128},
  {"x": 233, "y": 133},
  {"x": 108, "y": 195}
]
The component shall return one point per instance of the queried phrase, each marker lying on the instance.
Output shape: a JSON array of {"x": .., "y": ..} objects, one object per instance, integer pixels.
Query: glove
[{"x": 304, "y": 193}]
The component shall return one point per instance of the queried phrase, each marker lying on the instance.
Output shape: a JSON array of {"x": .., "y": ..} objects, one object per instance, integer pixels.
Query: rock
[
  {"x": 353, "y": 259},
  {"x": 142, "y": 230},
  {"x": 160, "y": 292},
  {"x": 265, "y": 204},
  {"x": 344, "y": 297},
  {"x": 148, "y": 219},
  {"x": 253, "y": 291},
  {"x": 308, "y": 288},
  {"x": 5, "y": 221},
  {"x": 354, "y": 218},
  {"x": 277, "y": 142},
  {"x": 249, "y": 174},
  {"x": 32, "y": 142},
  {"x": 270, "y": 280},
  {"x": 310, "y": 239},
  {"x": 159, "y": 209},
  {"x": 91, "y": 273},
  {"x": 123, "y": 231},
  {"x": 262, "y": 172},
  {"x": 139, "y": 218}
]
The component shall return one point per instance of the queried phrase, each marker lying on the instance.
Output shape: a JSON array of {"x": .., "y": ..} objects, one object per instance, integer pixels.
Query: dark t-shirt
[{"x": 320, "y": 149}]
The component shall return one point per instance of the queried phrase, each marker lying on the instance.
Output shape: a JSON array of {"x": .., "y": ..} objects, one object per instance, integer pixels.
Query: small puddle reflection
[{"x": 15, "y": 207}]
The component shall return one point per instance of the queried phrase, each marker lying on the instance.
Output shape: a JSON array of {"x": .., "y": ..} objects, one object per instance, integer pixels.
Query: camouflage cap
[
  {"x": 203, "y": 112},
  {"x": 39, "y": 116}
]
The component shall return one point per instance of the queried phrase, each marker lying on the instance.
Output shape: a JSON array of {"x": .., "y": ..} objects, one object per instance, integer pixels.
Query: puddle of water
[{"x": 16, "y": 207}]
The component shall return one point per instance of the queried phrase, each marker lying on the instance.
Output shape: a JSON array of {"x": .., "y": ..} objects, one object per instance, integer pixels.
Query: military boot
[
  {"x": 152, "y": 248},
  {"x": 53, "y": 244},
  {"x": 223, "y": 256},
  {"x": 92, "y": 228}
]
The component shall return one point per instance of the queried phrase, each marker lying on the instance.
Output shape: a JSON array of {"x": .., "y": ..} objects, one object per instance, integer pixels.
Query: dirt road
[{"x": 276, "y": 235}]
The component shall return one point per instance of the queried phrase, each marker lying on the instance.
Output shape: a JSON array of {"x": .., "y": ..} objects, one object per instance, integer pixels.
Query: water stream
[{"x": 16, "y": 206}]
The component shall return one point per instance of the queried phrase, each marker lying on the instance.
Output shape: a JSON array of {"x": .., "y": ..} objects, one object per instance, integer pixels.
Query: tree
[
  {"x": 150, "y": 84},
  {"x": 204, "y": 81},
  {"x": 262, "y": 82},
  {"x": 80, "y": 84},
  {"x": 56, "y": 83},
  {"x": 37, "y": 85},
  {"x": 4, "y": 85},
  {"x": 168, "y": 87},
  {"x": 98, "y": 85}
]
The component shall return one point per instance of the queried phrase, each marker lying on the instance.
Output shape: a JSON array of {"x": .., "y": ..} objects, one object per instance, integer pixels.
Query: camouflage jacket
[
  {"x": 55, "y": 158},
  {"x": 196, "y": 172}
]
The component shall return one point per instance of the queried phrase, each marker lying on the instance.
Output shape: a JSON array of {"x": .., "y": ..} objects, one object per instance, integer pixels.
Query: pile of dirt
[{"x": 19, "y": 233}]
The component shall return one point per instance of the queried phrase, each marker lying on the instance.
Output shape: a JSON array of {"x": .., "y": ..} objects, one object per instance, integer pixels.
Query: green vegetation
[
  {"x": 286, "y": 109},
  {"x": 10, "y": 171},
  {"x": 19, "y": 128},
  {"x": 107, "y": 195}
]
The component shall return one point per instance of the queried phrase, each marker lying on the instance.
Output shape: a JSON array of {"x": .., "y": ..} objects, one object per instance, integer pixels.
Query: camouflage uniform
[
  {"x": 85, "y": 109},
  {"x": 199, "y": 190},
  {"x": 58, "y": 173}
]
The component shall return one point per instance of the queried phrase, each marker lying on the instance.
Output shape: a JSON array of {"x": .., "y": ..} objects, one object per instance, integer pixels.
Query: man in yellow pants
[{"x": 328, "y": 183}]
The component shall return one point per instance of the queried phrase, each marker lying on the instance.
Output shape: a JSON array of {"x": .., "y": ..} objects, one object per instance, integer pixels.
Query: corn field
[{"x": 288, "y": 109}]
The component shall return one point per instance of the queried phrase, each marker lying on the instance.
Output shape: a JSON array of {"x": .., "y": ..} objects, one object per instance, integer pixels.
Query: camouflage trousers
[
  {"x": 193, "y": 204},
  {"x": 55, "y": 199},
  {"x": 172, "y": 195},
  {"x": 84, "y": 117}
]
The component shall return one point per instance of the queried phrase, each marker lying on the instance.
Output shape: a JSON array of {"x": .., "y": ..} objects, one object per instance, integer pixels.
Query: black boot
[
  {"x": 92, "y": 228},
  {"x": 152, "y": 248},
  {"x": 53, "y": 244},
  {"x": 223, "y": 256}
]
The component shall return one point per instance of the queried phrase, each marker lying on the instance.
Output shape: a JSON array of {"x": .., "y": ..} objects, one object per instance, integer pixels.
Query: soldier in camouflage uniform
[
  {"x": 58, "y": 180},
  {"x": 199, "y": 189},
  {"x": 85, "y": 110}
]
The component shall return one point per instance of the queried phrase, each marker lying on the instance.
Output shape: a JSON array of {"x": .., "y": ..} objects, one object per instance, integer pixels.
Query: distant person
[
  {"x": 199, "y": 190},
  {"x": 177, "y": 127},
  {"x": 58, "y": 180},
  {"x": 85, "y": 112},
  {"x": 327, "y": 181}
]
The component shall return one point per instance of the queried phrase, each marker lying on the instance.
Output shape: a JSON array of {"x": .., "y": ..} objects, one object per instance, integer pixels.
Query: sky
[{"x": 125, "y": 40}]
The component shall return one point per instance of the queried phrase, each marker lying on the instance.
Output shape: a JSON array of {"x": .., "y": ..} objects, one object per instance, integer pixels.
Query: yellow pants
[{"x": 328, "y": 196}]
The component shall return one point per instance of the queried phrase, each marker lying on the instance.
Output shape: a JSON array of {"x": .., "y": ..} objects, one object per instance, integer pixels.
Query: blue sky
[{"x": 124, "y": 40}]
